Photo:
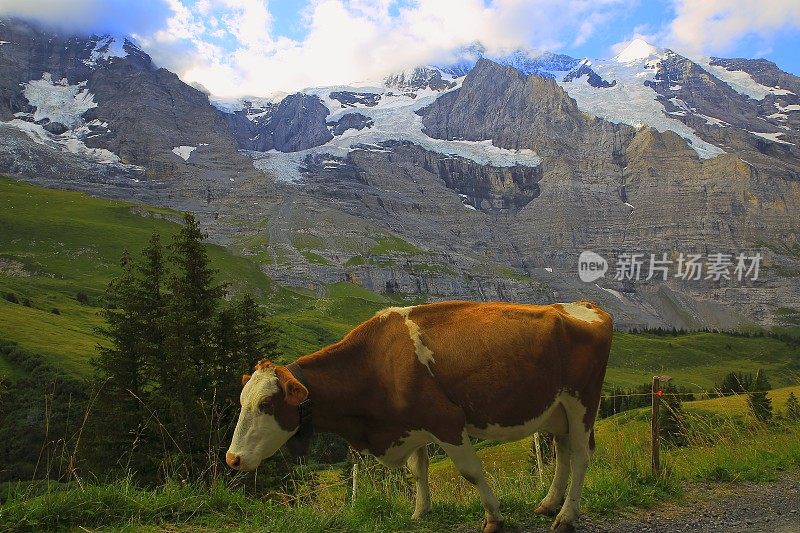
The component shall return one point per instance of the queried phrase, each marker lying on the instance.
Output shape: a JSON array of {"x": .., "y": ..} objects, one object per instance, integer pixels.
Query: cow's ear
[
  {"x": 293, "y": 391},
  {"x": 245, "y": 379}
]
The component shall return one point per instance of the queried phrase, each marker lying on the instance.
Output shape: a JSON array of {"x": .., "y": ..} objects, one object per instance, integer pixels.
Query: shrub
[
  {"x": 55, "y": 311},
  {"x": 82, "y": 298},
  {"x": 736, "y": 383},
  {"x": 11, "y": 297},
  {"x": 672, "y": 421}
]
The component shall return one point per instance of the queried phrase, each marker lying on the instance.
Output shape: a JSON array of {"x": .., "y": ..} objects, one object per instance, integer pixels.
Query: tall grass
[{"x": 725, "y": 446}]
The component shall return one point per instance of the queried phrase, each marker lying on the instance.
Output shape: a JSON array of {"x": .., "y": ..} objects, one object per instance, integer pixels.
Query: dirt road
[{"x": 730, "y": 508}]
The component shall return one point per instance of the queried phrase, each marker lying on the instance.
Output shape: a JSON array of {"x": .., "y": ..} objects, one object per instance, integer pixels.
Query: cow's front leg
[
  {"x": 418, "y": 464},
  {"x": 466, "y": 461}
]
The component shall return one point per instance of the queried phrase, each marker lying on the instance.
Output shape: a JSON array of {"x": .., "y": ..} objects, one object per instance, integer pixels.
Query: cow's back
[{"x": 505, "y": 363}]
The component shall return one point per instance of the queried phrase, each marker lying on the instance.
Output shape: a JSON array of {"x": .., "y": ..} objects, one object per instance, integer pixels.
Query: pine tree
[
  {"x": 195, "y": 297},
  {"x": 258, "y": 336},
  {"x": 736, "y": 383},
  {"x": 152, "y": 301},
  {"x": 671, "y": 418},
  {"x": 759, "y": 402},
  {"x": 792, "y": 408},
  {"x": 120, "y": 365},
  {"x": 189, "y": 365}
]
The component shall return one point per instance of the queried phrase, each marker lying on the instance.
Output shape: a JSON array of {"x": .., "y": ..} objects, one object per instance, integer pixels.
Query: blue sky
[{"x": 257, "y": 47}]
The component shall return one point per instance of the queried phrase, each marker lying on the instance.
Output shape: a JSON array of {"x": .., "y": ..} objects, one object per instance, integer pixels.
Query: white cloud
[
  {"x": 230, "y": 46},
  {"x": 715, "y": 26},
  {"x": 360, "y": 40},
  {"x": 107, "y": 16}
]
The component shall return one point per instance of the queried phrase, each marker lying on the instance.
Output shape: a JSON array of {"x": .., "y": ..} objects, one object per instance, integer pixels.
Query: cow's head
[{"x": 269, "y": 415}]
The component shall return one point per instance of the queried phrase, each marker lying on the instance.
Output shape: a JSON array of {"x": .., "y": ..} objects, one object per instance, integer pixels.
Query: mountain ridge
[{"x": 497, "y": 178}]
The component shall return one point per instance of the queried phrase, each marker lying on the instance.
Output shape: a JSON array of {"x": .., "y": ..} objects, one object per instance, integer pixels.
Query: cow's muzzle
[{"x": 234, "y": 461}]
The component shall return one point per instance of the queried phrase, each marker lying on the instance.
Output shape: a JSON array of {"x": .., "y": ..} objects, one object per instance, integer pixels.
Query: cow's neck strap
[{"x": 306, "y": 429}]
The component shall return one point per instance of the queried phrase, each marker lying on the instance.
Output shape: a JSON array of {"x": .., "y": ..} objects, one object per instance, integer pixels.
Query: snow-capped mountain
[
  {"x": 529, "y": 62},
  {"x": 499, "y": 170}
]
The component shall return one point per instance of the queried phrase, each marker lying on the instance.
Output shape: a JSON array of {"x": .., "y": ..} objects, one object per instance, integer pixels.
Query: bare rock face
[
  {"x": 294, "y": 124},
  {"x": 593, "y": 78},
  {"x": 355, "y": 121},
  {"x": 145, "y": 112},
  {"x": 726, "y": 118},
  {"x": 299, "y": 123},
  {"x": 351, "y": 98},
  {"x": 519, "y": 112}
]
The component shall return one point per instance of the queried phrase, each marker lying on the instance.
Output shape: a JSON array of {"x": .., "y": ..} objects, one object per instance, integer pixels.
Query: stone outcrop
[
  {"x": 294, "y": 124},
  {"x": 351, "y": 99},
  {"x": 355, "y": 121},
  {"x": 592, "y": 77}
]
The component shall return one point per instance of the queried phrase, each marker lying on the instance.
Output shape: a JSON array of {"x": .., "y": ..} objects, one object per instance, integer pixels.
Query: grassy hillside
[
  {"x": 726, "y": 445},
  {"x": 55, "y": 244},
  {"x": 699, "y": 360}
]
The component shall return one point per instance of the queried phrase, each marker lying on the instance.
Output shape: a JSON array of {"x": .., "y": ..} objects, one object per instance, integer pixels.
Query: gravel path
[{"x": 742, "y": 507}]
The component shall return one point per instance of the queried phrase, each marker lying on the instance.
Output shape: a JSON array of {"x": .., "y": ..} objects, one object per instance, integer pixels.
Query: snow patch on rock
[
  {"x": 787, "y": 108},
  {"x": 632, "y": 102},
  {"x": 611, "y": 291},
  {"x": 71, "y": 141},
  {"x": 58, "y": 101},
  {"x": 740, "y": 81},
  {"x": 184, "y": 151},
  {"x": 771, "y": 137}
]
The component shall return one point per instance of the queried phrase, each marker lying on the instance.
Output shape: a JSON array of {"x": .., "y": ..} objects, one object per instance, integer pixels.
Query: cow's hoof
[
  {"x": 493, "y": 526},
  {"x": 545, "y": 511},
  {"x": 560, "y": 526}
]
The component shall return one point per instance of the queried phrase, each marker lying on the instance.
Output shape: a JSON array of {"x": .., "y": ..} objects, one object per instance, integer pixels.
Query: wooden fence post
[
  {"x": 355, "y": 481},
  {"x": 655, "y": 442}
]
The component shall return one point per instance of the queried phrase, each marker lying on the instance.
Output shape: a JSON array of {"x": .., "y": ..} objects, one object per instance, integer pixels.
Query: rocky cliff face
[
  {"x": 296, "y": 123},
  {"x": 135, "y": 111}
]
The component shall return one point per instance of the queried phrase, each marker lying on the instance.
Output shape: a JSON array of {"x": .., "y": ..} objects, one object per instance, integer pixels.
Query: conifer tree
[
  {"x": 187, "y": 385},
  {"x": 151, "y": 300},
  {"x": 120, "y": 365},
  {"x": 760, "y": 404},
  {"x": 792, "y": 408}
]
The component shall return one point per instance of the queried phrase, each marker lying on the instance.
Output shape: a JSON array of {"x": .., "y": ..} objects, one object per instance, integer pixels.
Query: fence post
[
  {"x": 655, "y": 442},
  {"x": 355, "y": 481}
]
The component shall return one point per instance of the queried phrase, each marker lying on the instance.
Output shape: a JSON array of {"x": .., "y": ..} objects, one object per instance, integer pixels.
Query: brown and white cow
[{"x": 441, "y": 373}]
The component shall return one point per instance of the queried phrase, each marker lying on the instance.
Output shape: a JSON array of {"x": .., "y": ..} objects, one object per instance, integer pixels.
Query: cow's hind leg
[
  {"x": 418, "y": 464},
  {"x": 581, "y": 442},
  {"x": 469, "y": 465},
  {"x": 555, "y": 496}
]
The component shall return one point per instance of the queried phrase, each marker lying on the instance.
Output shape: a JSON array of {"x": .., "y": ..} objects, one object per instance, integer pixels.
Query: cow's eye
[{"x": 265, "y": 406}]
